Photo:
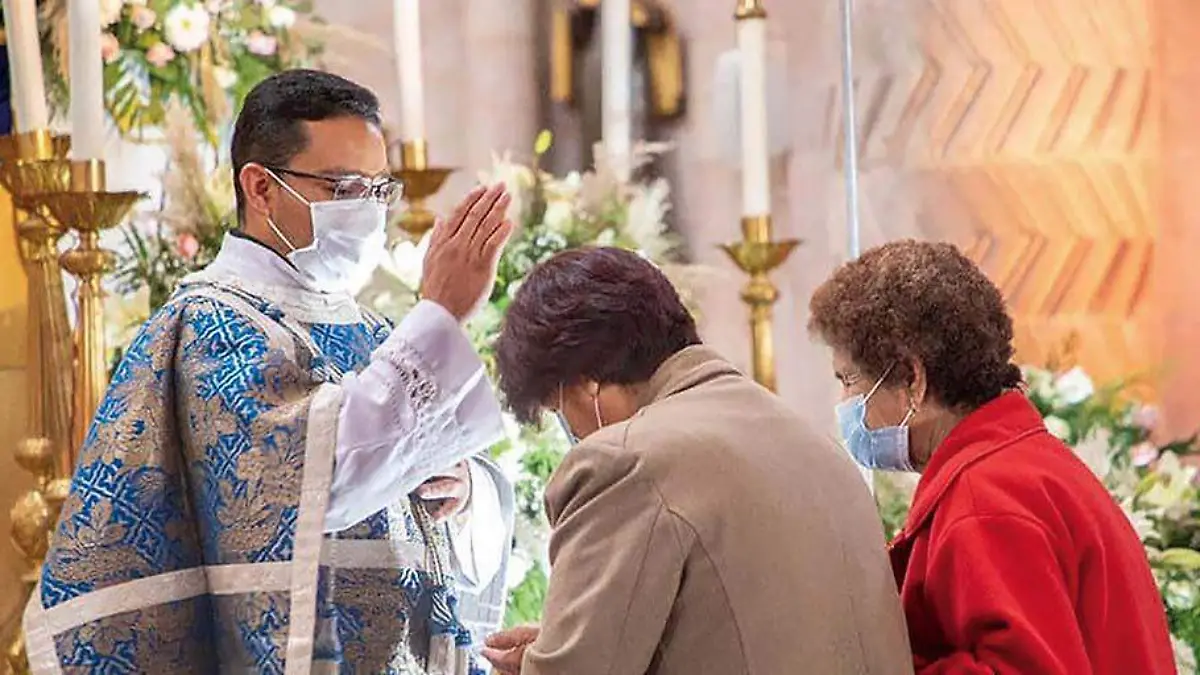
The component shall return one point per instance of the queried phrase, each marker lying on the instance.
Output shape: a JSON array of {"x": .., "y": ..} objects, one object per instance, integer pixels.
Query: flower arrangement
[
  {"x": 185, "y": 232},
  {"x": 552, "y": 213},
  {"x": 1153, "y": 484},
  {"x": 203, "y": 54}
]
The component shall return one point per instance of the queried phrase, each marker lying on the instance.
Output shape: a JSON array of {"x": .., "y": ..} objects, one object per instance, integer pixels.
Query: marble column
[{"x": 499, "y": 79}]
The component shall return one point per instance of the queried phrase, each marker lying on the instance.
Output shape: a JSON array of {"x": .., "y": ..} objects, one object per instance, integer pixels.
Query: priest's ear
[{"x": 258, "y": 189}]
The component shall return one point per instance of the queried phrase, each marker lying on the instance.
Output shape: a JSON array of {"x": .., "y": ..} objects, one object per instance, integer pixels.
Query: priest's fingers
[
  {"x": 490, "y": 222},
  {"x": 446, "y": 228},
  {"x": 478, "y": 213},
  {"x": 496, "y": 240}
]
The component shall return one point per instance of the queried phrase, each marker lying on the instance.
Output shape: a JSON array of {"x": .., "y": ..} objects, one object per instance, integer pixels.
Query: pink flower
[
  {"x": 1146, "y": 417},
  {"x": 143, "y": 17},
  {"x": 160, "y": 54},
  {"x": 262, "y": 44},
  {"x": 110, "y": 47},
  {"x": 187, "y": 245},
  {"x": 1144, "y": 453}
]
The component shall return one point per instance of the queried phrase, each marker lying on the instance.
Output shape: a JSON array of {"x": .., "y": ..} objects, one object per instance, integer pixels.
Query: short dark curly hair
[
  {"x": 601, "y": 314},
  {"x": 926, "y": 301}
]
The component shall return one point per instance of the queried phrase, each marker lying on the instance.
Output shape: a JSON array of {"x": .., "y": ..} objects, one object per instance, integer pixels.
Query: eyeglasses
[{"x": 383, "y": 189}]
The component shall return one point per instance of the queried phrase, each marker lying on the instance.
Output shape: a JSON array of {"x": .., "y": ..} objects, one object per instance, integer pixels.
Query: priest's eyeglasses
[{"x": 383, "y": 189}]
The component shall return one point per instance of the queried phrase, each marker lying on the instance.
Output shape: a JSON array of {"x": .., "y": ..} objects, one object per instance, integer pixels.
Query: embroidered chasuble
[{"x": 192, "y": 539}]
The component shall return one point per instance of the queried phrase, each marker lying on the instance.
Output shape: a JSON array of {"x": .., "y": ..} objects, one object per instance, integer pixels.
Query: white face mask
[{"x": 348, "y": 241}]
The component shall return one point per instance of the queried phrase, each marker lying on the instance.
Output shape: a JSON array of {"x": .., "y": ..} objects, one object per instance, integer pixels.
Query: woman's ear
[{"x": 919, "y": 386}]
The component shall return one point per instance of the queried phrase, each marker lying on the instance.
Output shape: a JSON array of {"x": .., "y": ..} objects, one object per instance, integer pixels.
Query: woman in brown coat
[{"x": 700, "y": 526}]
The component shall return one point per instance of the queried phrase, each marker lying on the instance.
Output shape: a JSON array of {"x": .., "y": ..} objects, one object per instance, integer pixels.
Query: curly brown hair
[{"x": 912, "y": 300}]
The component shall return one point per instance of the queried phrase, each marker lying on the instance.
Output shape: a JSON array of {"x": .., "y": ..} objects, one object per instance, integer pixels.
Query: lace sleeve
[{"x": 423, "y": 404}]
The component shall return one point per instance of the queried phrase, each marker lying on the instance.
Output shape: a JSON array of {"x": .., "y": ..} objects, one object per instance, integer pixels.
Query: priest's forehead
[{"x": 342, "y": 145}]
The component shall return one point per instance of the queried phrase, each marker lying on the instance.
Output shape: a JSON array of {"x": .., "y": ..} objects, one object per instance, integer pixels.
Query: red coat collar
[{"x": 994, "y": 426}]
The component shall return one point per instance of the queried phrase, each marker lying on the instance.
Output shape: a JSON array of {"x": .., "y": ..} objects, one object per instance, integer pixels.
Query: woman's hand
[{"x": 506, "y": 649}]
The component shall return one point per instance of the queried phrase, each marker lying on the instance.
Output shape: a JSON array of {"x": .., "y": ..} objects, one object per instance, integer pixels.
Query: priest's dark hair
[
  {"x": 270, "y": 127},
  {"x": 601, "y": 314}
]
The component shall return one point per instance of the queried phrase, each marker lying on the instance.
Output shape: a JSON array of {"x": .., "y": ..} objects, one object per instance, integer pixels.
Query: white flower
[
  {"x": 1058, "y": 426},
  {"x": 645, "y": 218},
  {"x": 559, "y": 215},
  {"x": 517, "y": 178},
  {"x": 1180, "y": 594},
  {"x": 281, "y": 17},
  {"x": 225, "y": 77},
  {"x": 266, "y": 3},
  {"x": 1095, "y": 451},
  {"x": 1174, "y": 489},
  {"x": 1041, "y": 383},
  {"x": 110, "y": 12},
  {"x": 1074, "y": 386},
  {"x": 406, "y": 261},
  {"x": 1142, "y": 524},
  {"x": 186, "y": 27},
  {"x": 1185, "y": 658}
]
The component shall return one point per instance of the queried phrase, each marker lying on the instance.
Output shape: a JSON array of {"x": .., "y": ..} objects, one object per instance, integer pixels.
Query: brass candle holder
[
  {"x": 30, "y": 164},
  {"x": 88, "y": 209},
  {"x": 421, "y": 181},
  {"x": 757, "y": 255}
]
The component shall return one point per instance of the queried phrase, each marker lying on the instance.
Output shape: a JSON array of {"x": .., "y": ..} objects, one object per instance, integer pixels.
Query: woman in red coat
[{"x": 1014, "y": 558}]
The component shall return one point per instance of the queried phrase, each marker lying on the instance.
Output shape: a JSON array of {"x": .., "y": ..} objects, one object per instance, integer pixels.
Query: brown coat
[{"x": 715, "y": 533}]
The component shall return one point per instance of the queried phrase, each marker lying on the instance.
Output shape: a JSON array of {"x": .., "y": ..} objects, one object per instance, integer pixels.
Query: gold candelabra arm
[
  {"x": 758, "y": 256},
  {"x": 421, "y": 181}
]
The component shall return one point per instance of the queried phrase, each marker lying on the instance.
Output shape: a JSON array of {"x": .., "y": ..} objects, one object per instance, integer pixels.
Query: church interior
[{"x": 750, "y": 147}]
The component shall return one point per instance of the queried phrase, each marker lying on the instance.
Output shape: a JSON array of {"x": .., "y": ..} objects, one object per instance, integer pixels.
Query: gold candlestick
[
  {"x": 758, "y": 256},
  {"x": 30, "y": 164},
  {"x": 88, "y": 210},
  {"x": 421, "y": 182}
]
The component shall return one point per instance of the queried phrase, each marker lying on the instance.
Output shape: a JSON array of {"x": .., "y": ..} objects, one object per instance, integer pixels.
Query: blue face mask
[
  {"x": 885, "y": 448},
  {"x": 562, "y": 422},
  {"x": 562, "y": 419}
]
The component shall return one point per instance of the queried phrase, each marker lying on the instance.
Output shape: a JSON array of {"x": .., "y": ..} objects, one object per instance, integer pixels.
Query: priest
[{"x": 279, "y": 481}]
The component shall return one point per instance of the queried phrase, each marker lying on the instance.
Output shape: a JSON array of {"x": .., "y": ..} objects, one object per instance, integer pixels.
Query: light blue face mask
[
  {"x": 885, "y": 448},
  {"x": 562, "y": 419},
  {"x": 562, "y": 422}
]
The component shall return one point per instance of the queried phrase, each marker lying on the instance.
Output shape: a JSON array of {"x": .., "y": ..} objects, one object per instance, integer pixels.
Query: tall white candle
[
  {"x": 756, "y": 163},
  {"x": 406, "y": 17},
  {"x": 25, "y": 65},
  {"x": 616, "y": 35},
  {"x": 87, "y": 80}
]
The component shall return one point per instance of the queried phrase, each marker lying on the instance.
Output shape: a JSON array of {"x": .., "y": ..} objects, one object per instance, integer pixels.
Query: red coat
[{"x": 1015, "y": 559}]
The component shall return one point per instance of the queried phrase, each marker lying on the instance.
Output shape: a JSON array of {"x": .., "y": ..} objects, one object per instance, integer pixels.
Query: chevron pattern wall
[{"x": 1026, "y": 131}]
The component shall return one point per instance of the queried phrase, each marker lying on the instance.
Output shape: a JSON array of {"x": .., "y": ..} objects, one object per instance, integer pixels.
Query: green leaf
[{"x": 1181, "y": 558}]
